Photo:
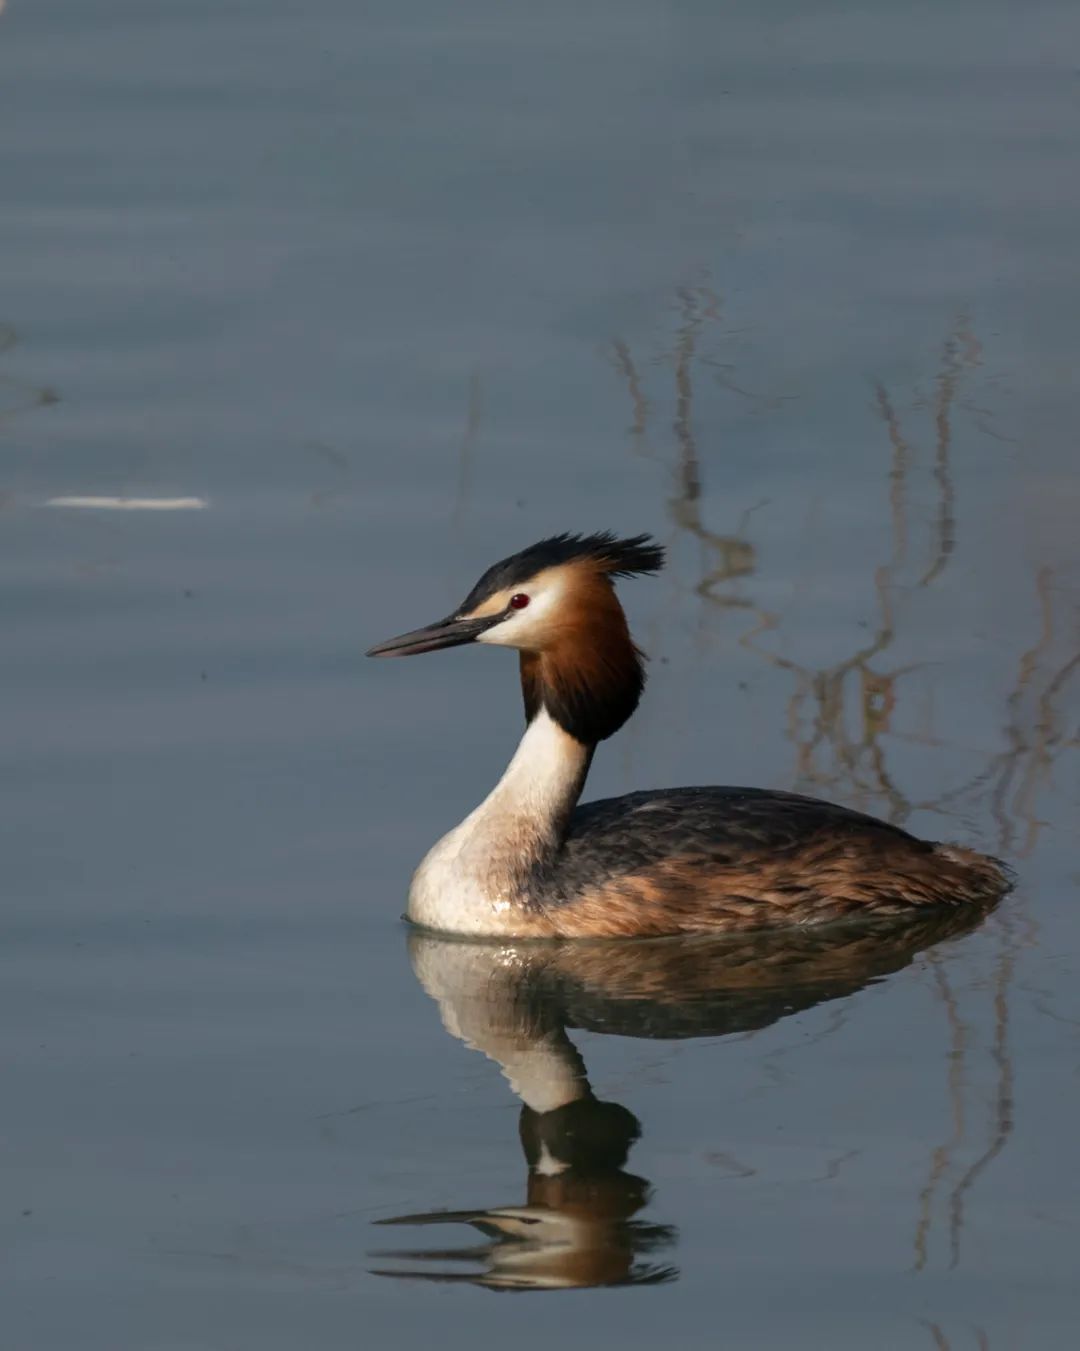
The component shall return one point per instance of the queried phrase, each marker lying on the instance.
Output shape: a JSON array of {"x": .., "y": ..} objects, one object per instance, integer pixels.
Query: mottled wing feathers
[
  {"x": 694, "y": 859},
  {"x": 723, "y": 823}
]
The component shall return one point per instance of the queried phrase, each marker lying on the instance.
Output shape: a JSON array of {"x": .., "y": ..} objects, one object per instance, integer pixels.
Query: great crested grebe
[{"x": 530, "y": 863}]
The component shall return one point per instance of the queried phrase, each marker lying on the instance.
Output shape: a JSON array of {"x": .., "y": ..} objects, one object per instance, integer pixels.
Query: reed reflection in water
[
  {"x": 849, "y": 719},
  {"x": 579, "y": 1223},
  {"x": 840, "y": 717}
]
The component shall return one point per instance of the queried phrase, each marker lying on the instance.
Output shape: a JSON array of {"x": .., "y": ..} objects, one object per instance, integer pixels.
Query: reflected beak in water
[{"x": 450, "y": 632}]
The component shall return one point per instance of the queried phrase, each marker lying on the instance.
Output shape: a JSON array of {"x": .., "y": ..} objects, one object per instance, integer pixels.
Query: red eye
[{"x": 519, "y": 601}]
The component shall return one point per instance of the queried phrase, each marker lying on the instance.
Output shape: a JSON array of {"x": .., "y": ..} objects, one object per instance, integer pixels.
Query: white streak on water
[{"x": 131, "y": 503}]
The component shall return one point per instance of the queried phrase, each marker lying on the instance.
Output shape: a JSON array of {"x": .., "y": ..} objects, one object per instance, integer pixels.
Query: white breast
[
  {"x": 469, "y": 882},
  {"x": 451, "y": 890}
]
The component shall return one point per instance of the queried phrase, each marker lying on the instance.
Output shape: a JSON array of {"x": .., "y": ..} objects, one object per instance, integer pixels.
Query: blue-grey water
[{"x": 391, "y": 291}]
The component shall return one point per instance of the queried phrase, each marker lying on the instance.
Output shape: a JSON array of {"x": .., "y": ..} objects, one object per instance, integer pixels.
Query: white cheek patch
[{"x": 523, "y": 628}]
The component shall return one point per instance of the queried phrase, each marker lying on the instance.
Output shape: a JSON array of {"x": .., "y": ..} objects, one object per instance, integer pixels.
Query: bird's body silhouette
[{"x": 530, "y": 862}]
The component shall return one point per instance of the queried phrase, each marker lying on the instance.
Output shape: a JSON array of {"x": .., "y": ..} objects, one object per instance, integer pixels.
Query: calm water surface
[{"x": 395, "y": 290}]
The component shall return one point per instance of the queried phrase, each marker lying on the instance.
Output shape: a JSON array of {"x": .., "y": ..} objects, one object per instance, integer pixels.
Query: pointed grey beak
[{"x": 451, "y": 632}]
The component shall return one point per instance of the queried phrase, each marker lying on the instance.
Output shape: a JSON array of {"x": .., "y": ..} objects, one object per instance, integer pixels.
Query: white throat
[{"x": 473, "y": 880}]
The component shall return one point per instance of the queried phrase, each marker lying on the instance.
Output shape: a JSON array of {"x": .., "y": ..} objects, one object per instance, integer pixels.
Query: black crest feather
[{"x": 616, "y": 557}]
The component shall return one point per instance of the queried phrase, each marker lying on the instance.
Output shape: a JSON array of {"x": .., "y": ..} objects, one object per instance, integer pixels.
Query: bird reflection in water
[{"x": 580, "y": 1224}]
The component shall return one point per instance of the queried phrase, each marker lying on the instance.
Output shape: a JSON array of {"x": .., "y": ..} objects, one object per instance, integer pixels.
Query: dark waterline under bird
[{"x": 531, "y": 862}]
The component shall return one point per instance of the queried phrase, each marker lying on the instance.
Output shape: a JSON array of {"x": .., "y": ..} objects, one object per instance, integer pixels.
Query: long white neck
[{"x": 475, "y": 880}]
